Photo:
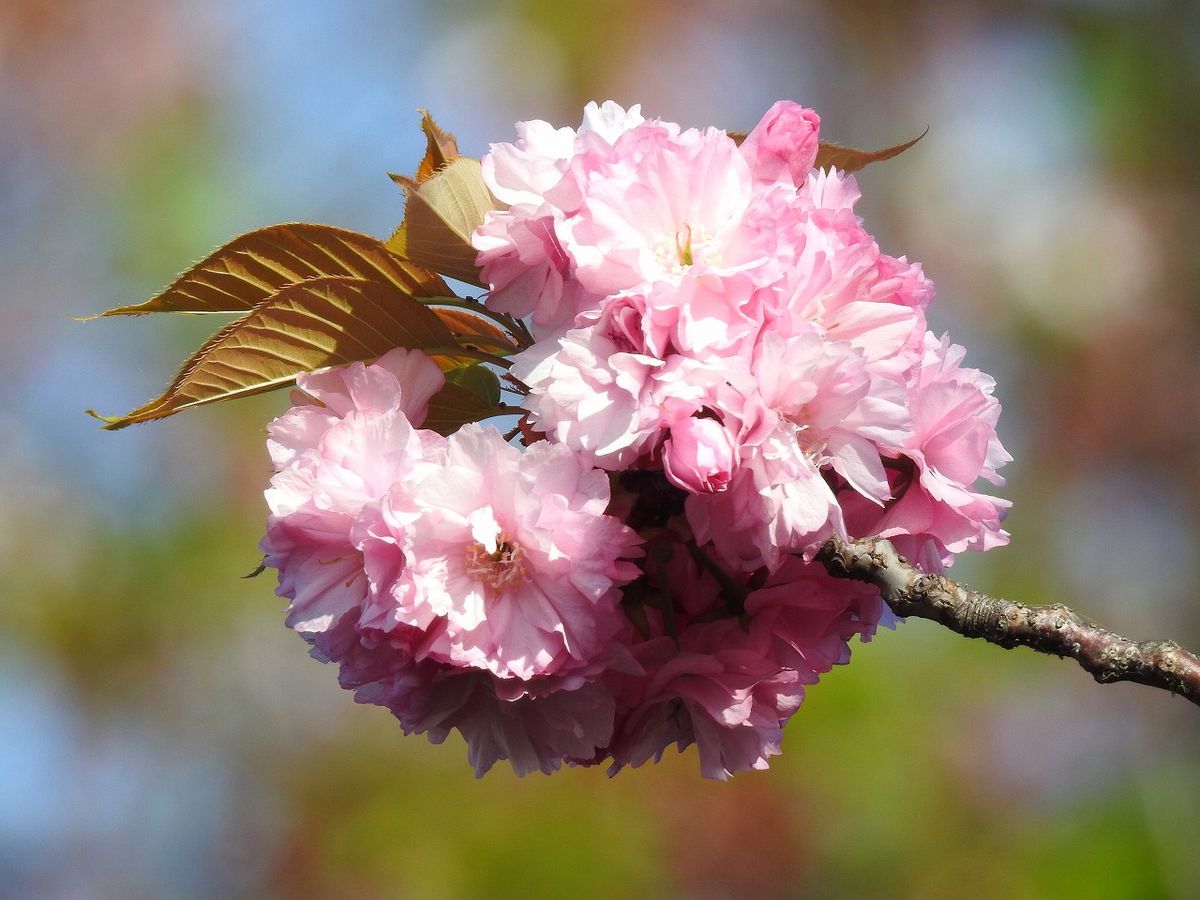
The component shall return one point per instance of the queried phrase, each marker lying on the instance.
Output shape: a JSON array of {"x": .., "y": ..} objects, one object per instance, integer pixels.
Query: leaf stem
[
  {"x": 526, "y": 335},
  {"x": 734, "y": 593},
  {"x": 518, "y": 386}
]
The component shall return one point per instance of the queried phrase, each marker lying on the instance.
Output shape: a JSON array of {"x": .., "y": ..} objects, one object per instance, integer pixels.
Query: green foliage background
[{"x": 164, "y": 735}]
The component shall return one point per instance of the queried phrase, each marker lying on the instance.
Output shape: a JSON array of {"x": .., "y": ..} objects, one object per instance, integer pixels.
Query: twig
[{"x": 1055, "y": 629}]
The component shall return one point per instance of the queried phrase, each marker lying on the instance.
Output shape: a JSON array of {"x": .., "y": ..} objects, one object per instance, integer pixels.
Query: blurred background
[{"x": 162, "y": 734}]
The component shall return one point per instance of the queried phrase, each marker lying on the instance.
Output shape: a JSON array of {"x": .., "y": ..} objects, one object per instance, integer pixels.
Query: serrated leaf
[
  {"x": 249, "y": 269},
  {"x": 306, "y": 326},
  {"x": 440, "y": 147},
  {"x": 851, "y": 159},
  {"x": 398, "y": 242},
  {"x": 440, "y": 215},
  {"x": 464, "y": 325},
  {"x": 454, "y": 406},
  {"x": 479, "y": 380}
]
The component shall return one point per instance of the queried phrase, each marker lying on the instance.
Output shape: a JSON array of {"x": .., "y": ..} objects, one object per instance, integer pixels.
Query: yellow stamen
[{"x": 500, "y": 570}]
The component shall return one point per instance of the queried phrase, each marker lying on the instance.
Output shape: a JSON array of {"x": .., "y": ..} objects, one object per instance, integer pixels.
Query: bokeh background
[{"x": 162, "y": 734}]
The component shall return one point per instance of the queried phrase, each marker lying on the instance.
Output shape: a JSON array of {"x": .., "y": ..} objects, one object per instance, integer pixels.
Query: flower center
[
  {"x": 502, "y": 568},
  {"x": 680, "y": 251},
  {"x": 683, "y": 243},
  {"x": 807, "y": 439}
]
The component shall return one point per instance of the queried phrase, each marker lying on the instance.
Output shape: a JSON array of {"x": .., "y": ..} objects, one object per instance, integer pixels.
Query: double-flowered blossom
[
  {"x": 726, "y": 371},
  {"x": 511, "y": 555}
]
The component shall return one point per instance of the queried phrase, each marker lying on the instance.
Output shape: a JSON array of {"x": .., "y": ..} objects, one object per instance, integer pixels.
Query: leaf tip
[
  {"x": 915, "y": 140},
  {"x": 851, "y": 159},
  {"x": 135, "y": 310},
  {"x": 111, "y": 423},
  {"x": 408, "y": 185}
]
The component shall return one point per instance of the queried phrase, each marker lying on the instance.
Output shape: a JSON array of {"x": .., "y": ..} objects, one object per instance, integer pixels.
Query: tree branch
[{"x": 1052, "y": 629}]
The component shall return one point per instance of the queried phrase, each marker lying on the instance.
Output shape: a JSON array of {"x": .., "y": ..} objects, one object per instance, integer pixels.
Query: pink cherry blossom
[
  {"x": 726, "y": 370},
  {"x": 725, "y": 695},
  {"x": 822, "y": 393},
  {"x": 938, "y": 512},
  {"x": 513, "y": 552},
  {"x": 592, "y": 395},
  {"x": 519, "y": 251},
  {"x": 336, "y": 458},
  {"x": 552, "y": 722},
  {"x": 675, "y": 212},
  {"x": 730, "y": 684}
]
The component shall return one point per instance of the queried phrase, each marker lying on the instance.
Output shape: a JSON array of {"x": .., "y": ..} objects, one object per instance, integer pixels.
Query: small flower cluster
[{"x": 726, "y": 372}]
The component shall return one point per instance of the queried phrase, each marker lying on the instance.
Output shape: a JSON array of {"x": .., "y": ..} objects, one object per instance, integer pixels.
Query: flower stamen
[
  {"x": 500, "y": 569},
  {"x": 683, "y": 244}
]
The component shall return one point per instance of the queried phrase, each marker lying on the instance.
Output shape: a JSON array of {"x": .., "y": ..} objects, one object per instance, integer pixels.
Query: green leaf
[
  {"x": 479, "y": 380},
  {"x": 440, "y": 215},
  {"x": 455, "y": 405},
  {"x": 306, "y": 326},
  {"x": 850, "y": 159},
  {"x": 251, "y": 268}
]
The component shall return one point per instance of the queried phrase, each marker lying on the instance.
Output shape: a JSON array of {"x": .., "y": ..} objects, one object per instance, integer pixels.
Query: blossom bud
[
  {"x": 783, "y": 145},
  {"x": 699, "y": 456}
]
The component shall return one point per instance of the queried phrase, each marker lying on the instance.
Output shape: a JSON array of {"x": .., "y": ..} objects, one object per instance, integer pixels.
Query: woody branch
[{"x": 1054, "y": 629}]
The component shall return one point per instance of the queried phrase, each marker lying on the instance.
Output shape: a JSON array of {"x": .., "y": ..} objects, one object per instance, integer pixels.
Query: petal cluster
[
  {"x": 460, "y": 582},
  {"x": 733, "y": 324},
  {"x": 725, "y": 371}
]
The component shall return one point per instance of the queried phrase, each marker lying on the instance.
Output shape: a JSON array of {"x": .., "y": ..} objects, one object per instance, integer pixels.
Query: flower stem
[{"x": 734, "y": 593}]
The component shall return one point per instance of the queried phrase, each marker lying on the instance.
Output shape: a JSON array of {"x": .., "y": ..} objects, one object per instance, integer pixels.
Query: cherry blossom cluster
[{"x": 726, "y": 372}]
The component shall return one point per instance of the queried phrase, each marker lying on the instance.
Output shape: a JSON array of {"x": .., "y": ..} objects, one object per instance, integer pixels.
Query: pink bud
[
  {"x": 699, "y": 456},
  {"x": 783, "y": 145}
]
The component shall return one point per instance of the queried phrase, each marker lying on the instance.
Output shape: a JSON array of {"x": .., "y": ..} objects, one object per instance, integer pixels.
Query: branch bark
[{"x": 1055, "y": 629}]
